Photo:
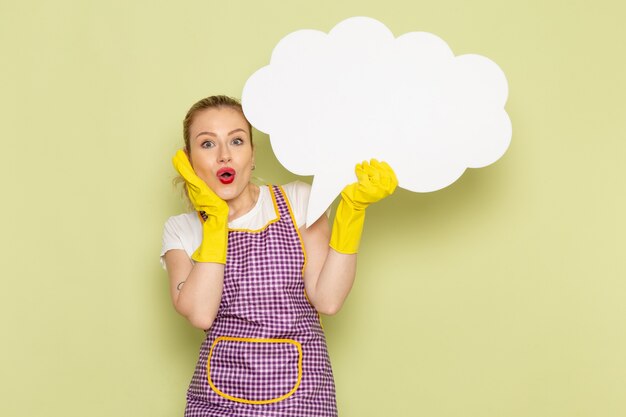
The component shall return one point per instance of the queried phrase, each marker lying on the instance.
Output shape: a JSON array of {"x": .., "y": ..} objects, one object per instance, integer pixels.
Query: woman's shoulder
[
  {"x": 298, "y": 192},
  {"x": 182, "y": 226},
  {"x": 182, "y": 231},
  {"x": 184, "y": 220}
]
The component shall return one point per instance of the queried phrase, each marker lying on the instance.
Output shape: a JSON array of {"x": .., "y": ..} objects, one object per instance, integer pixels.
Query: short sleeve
[
  {"x": 181, "y": 232},
  {"x": 298, "y": 194}
]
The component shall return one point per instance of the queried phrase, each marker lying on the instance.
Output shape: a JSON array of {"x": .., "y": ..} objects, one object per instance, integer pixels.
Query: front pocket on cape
[{"x": 254, "y": 371}]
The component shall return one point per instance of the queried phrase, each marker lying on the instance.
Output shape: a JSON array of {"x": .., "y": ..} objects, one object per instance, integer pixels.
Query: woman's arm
[
  {"x": 329, "y": 275},
  {"x": 196, "y": 289},
  {"x": 330, "y": 270}
]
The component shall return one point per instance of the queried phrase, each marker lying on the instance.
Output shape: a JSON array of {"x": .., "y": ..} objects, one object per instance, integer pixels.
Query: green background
[{"x": 501, "y": 295}]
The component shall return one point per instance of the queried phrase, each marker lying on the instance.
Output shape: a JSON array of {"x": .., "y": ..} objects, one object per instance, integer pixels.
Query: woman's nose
[{"x": 225, "y": 156}]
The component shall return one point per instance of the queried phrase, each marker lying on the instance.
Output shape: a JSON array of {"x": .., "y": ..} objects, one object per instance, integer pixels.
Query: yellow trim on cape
[
  {"x": 268, "y": 223},
  {"x": 295, "y": 226}
]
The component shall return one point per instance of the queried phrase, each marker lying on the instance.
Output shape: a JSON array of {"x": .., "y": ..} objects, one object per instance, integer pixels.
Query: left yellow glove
[
  {"x": 376, "y": 180},
  {"x": 212, "y": 209}
]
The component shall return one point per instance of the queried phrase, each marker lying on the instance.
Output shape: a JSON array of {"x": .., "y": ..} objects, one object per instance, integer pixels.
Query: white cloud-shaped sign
[{"x": 329, "y": 101}]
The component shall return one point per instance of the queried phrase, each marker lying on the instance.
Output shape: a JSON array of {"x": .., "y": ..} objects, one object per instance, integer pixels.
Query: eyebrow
[{"x": 214, "y": 135}]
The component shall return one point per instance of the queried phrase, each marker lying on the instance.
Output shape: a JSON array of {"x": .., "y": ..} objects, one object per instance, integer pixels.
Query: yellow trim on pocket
[{"x": 251, "y": 340}]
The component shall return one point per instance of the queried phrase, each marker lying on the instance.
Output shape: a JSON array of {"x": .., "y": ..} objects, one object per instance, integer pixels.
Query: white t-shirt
[{"x": 184, "y": 231}]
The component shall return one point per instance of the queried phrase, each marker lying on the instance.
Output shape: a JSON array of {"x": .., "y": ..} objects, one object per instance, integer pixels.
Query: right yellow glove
[
  {"x": 376, "y": 181},
  {"x": 212, "y": 209}
]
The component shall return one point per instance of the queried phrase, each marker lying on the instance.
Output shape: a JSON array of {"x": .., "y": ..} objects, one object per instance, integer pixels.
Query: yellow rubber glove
[
  {"x": 376, "y": 180},
  {"x": 212, "y": 209}
]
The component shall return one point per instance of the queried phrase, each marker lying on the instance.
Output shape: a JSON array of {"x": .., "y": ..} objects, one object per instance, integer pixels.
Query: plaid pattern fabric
[{"x": 265, "y": 354}]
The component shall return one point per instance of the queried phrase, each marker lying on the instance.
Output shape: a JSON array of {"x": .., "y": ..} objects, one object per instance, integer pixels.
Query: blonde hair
[{"x": 212, "y": 102}]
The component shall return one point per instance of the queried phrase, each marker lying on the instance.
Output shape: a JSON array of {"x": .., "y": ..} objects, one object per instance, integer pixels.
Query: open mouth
[{"x": 226, "y": 175}]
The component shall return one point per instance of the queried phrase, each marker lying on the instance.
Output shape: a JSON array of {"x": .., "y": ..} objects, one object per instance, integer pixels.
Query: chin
[{"x": 228, "y": 192}]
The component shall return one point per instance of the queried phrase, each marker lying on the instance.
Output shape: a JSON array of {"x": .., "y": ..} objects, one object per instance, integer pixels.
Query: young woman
[{"x": 244, "y": 268}]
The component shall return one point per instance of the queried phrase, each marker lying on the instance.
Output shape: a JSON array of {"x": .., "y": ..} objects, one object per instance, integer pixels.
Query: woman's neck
[{"x": 241, "y": 205}]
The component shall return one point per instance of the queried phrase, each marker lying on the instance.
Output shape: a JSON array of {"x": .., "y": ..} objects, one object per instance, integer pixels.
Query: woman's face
[{"x": 221, "y": 150}]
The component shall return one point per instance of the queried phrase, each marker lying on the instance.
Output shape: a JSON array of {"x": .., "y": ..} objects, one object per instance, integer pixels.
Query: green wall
[{"x": 501, "y": 295}]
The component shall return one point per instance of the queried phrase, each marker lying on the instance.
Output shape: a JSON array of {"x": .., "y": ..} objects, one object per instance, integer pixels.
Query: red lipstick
[{"x": 226, "y": 175}]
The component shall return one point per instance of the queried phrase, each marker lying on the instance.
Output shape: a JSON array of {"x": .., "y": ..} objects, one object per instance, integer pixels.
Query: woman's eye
[
  {"x": 237, "y": 141},
  {"x": 208, "y": 144}
]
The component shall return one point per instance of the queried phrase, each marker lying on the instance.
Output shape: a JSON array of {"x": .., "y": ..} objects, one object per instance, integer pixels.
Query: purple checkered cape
[{"x": 265, "y": 354}]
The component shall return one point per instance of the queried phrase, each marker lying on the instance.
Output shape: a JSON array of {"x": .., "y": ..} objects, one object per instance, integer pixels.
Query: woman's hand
[
  {"x": 202, "y": 197},
  {"x": 212, "y": 209},
  {"x": 376, "y": 180}
]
